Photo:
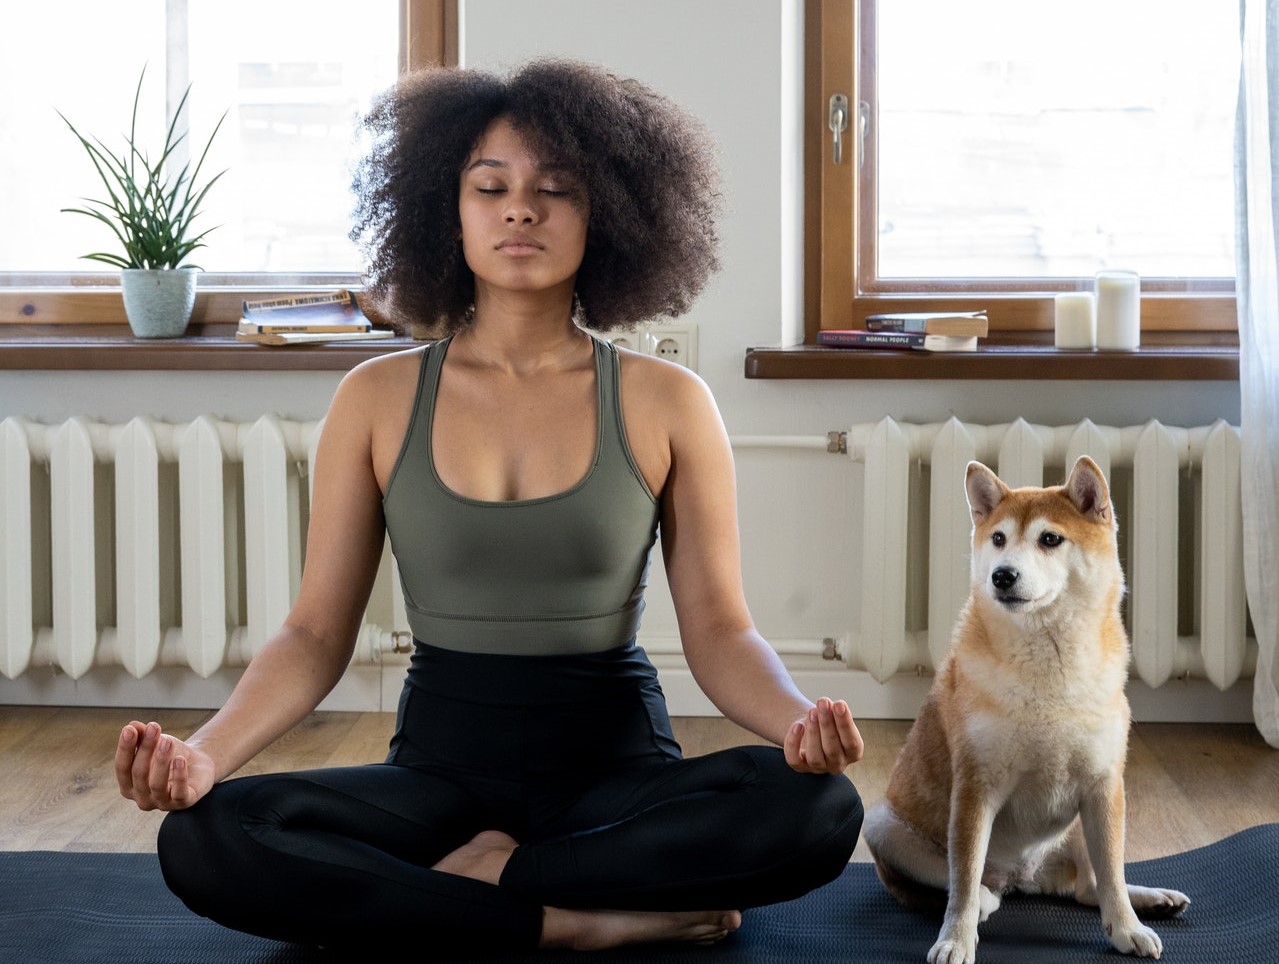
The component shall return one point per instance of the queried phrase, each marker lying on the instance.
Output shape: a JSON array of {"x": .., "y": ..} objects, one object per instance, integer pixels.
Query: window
[
  {"x": 293, "y": 81},
  {"x": 999, "y": 152}
]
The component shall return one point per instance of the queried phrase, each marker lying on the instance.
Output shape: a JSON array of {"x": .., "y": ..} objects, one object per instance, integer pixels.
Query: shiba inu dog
[{"x": 1012, "y": 777}]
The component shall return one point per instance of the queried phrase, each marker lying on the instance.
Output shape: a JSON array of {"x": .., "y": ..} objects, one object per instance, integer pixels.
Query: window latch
[
  {"x": 863, "y": 110},
  {"x": 837, "y": 120}
]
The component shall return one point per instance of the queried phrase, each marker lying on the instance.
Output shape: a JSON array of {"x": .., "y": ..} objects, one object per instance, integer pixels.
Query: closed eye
[{"x": 1051, "y": 540}]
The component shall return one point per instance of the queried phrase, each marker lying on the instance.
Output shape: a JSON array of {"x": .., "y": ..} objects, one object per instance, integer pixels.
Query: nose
[
  {"x": 520, "y": 210},
  {"x": 1004, "y": 577}
]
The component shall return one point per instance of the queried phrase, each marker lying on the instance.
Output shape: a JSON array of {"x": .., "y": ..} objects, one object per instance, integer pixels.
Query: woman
[{"x": 533, "y": 794}]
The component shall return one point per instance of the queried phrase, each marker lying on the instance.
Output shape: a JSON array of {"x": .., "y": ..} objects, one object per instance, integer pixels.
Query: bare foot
[
  {"x": 483, "y": 857},
  {"x": 594, "y": 930}
]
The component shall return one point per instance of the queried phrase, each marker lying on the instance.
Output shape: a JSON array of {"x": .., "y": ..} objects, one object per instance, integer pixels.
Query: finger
[
  {"x": 158, "y": 778},
  {"x": 180, "y": 791},
  {"x": 814, "y": 754},
  {"x": 792, "y": 748},
  {"x": 142, "y": 759},
  {"x": 832, "y": 746},
  {"x": 849, "y": 736},
  {"x": 125, "y": 750}
]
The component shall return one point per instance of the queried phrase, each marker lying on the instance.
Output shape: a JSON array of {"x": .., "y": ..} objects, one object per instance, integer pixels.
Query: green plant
[{"x": 150, "y": 214}]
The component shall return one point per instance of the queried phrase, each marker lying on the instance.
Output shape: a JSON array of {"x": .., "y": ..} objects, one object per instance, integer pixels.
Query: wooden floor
[{"x": 1188, "y": 785}]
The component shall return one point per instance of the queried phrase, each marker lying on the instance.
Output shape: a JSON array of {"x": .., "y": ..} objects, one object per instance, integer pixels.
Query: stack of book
[
  {"x": 332, "y": 316},
  {"x": 920, "y": 330}
]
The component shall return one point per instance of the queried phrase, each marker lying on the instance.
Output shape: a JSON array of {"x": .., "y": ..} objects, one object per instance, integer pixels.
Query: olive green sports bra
[{"x": 554, "y": 575}]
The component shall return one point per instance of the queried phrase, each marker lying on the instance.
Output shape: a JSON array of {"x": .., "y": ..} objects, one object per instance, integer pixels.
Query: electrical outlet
[
  {"x": 623, "y": 339},
  {"x": 673, "y": 342}
]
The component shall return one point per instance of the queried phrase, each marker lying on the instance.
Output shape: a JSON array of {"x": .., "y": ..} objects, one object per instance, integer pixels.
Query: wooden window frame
[
  {"x": 836, "y": 209},
  {"x": 428, "y": 35}
]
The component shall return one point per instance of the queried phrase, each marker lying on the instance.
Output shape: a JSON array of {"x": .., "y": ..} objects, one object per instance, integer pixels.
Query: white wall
[{"x": 734, "y": 63}]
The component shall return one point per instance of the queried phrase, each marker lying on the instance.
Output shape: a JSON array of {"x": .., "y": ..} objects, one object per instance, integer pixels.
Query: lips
[{"x": 519, "y": 244}]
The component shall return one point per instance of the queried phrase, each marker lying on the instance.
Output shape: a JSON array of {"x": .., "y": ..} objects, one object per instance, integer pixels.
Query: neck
[{"x": 523, "y": 332}]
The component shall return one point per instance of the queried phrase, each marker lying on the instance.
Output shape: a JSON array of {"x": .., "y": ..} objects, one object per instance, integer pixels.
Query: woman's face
[{"x": 523, "y": 220}]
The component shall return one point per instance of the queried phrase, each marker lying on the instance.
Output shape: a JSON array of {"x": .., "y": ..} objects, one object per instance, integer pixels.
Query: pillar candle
[
  {"x": 1074, "y": 321},
  {"x": 1118, "y": 310}
]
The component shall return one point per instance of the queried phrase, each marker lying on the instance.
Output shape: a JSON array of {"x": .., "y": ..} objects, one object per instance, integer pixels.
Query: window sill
[
  {"x": 1163, "y": 356},
  {"x": 104, "y": 347}
]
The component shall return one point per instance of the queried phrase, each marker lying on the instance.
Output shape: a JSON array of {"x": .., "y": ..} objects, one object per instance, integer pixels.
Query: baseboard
[{"x": 376, "y": 688}]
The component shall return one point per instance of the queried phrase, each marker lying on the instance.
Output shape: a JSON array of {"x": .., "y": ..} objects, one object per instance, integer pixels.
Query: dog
[{"x": 1012, "y": 776}]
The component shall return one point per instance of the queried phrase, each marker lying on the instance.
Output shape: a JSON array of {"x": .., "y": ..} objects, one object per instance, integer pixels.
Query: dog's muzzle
[{"x": 1004, "y": 579}]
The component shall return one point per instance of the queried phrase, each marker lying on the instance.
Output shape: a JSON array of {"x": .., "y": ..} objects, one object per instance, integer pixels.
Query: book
[
  {"x": 862, "y": 338},
  {"x": 310, "y": 337},
  {"x": 965, "y": 323},
  {"x": 330, "y": 312}
]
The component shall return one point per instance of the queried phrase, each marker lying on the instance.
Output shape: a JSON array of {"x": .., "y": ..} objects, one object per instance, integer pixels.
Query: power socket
[
  {"x": 675, "y": 342},
  {"x": 623, "y": 339}
]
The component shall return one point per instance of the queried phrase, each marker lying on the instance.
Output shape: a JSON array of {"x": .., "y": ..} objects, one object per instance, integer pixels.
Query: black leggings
[{"x": 571, "y": 756}]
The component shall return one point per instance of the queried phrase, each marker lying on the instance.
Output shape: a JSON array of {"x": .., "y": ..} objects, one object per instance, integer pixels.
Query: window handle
[
  {"x": 837, "y": 120},
  {"x": 863, "y": 110}
]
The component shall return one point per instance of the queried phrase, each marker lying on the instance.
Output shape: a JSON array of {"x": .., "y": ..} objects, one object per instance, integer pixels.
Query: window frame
[
  {"x": 840, "y": 214},
  {"x": 428, "y": 35}
]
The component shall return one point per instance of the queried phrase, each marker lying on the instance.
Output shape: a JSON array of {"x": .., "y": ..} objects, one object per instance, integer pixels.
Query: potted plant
[{"x": 151, "y": 213}]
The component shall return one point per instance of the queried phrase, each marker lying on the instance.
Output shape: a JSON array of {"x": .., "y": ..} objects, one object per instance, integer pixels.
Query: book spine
[
  {"x": 870, "y": 339},
  {"x": 339, "y": 297},
  {"x": 268, "y": 328},
  {"x": 889, "y": 323}
]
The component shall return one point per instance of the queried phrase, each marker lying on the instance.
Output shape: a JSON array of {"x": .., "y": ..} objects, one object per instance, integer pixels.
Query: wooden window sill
[
  {"x": 1163, "y": 356},
  {"x": 104, "y": 347}
]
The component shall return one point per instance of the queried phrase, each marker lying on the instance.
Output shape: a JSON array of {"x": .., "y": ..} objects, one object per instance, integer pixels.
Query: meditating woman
[{"x": 533, "y": 794}]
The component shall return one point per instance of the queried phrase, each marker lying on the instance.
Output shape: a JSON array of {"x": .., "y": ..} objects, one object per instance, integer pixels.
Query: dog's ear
[
  {"x": 1087, "y": 489},
  {"x": 985, "y": 490}
]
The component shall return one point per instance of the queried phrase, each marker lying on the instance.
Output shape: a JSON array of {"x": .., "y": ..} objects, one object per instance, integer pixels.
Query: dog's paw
[
  {"x": 954, "y": 950},
  {"x": 1139, "y": 941},
  {"x": 1156, "y": 901}
]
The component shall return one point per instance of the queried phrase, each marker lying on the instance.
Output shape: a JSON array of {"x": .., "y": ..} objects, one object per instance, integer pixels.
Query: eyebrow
[{"x": 550, "y": 167}]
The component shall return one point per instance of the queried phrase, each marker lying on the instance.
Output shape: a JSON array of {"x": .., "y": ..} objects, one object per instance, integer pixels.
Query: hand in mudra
[
  {"x": 159, "y": 772},
  {"x": 826, "y": 740}
]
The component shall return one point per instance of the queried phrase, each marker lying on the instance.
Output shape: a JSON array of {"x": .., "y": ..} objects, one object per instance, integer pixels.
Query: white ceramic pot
[{"x": 158, "y": 302}]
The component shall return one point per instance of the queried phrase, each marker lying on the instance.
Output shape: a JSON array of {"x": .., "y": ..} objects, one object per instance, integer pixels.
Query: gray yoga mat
[{"x": 64, "y": 908}]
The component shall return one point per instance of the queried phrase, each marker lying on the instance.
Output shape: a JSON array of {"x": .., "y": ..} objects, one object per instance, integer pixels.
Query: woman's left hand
[{"x": 826, "y": 740}]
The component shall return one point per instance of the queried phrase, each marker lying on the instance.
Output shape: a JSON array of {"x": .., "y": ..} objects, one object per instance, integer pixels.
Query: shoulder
[
  {"x": 372, "y": 407},
  {"x": 662, "y": 386},
  {"x": 669, "y": 405},
  {"x": 380, "y": 383}
]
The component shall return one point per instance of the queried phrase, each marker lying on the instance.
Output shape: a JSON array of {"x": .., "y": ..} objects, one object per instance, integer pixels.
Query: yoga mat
[{"x": 65, "y": 908}]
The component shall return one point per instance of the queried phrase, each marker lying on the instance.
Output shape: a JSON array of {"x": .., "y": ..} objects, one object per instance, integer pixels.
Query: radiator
[
  {"x": 152, "y": 544},
  {"x": 1177, "y": 495}
]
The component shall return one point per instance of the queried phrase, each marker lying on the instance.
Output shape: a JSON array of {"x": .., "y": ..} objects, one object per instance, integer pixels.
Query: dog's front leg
[
  {"x": 971, "y": 816},
  {"x": 1102, "y": 816}
]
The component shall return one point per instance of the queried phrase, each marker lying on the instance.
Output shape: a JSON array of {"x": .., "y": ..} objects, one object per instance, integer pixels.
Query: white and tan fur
[{"x": 1012, "y": 777}]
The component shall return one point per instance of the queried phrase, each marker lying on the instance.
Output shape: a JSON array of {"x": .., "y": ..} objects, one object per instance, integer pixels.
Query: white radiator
[
  {"x": 151, "y": 544},
  {"x": 169, "y": 552},
  {"x": 1176, "y": 491}
]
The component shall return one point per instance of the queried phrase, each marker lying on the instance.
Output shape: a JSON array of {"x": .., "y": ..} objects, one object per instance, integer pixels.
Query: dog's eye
[
  {"x": 1051, "y": 540},
  {"x": 998, "y": 540}
]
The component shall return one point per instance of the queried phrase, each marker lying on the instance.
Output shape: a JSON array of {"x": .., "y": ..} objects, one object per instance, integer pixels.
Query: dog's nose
[{"x": 1004, "y": 577}]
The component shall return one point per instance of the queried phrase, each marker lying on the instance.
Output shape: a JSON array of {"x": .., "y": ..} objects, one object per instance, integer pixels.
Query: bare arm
[
  {"x": 741, "y": 674},
  {"x": 304, "y": 660}
]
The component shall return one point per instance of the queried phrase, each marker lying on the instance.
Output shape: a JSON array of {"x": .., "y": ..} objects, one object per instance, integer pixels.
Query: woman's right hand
[{"x": 159, "y": 772}]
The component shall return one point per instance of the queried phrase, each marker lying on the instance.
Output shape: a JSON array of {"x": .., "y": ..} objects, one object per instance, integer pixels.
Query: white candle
[
  {"x": 1074, "y": 321},
  {"x": 1118, "y": 310}
]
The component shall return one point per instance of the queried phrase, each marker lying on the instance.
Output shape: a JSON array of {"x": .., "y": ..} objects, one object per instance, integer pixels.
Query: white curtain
[{"x": 1257, "y": 209}]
